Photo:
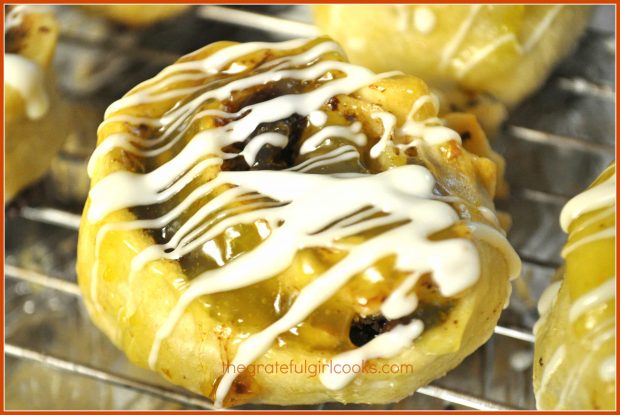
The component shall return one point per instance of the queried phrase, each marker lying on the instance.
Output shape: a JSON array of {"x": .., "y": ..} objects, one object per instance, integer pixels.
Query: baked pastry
[
  {"x": 35, "y": 117},
  {"x": 271, "y": 204},
  {"x": 137, "y": 15},
  {"x": 506, "y": 51},
  {"x": 575, "y": 359}
]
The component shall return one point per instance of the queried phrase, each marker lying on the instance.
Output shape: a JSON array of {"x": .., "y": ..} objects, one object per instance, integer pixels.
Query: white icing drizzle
[
  {"x": 464, "y": 67},
  {"x": 16, "y": 16},
  {"x": 317, "y": 118},
  {"x": 26, "y": 77},
  {"x": 594, "y": 219},
  {"x": 403, "y": 17},
  {"x": 578, "y": 243},
  {"x": 607, "y": 369},
  {"x": 452, "y": 46},
  {"x": 497, "y": 239},
  {"x": 351, "y": 133},
  {"x": 548, "y": 297},
  {"x": 429, "y": 130},
  {"x": 401, "y": 303},
  {"x": 604, "y": 292},
  {"x": 542, "y": 26},
  {"x": 489, "y": 215},
  {"x": 338, "y": 155},
  {"x": 297, "y": 210},
  {"x": 389, "y": 122},
  {"x": 545, "y": 303},
  {"x": 424, "y": 19},
  {"x": 596, "y": 197},
  {"x": 480, "y": 54},
  {"x": 577, "y": 372},
  {"x": 549, "y": 369},
  {"x": 385, "y": 345}
]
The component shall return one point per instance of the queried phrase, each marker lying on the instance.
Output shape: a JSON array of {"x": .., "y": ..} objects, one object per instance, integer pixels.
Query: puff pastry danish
[
  {"x": 36, "y": 122},
  {"x": 575, "y": 359},
  {"x": 506, "y": 51},
  {"x": 272, "y": 204}
]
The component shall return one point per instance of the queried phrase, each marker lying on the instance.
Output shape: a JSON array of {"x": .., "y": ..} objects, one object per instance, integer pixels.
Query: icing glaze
[
  {"x": 297, "y": 210},
  {"x": 607, "y": 370},
  {"x": 596, "y": 197},
  {"x": 454, "y": 43},
  {"x": 549, "y": 369},
  {"x": 482, "y": 53},
  {"x": 599, "y": 295},
  {"x": 544, "y": 24},
  {"x": 600, "y": 196},
  {"x": 22, "y": 74},
  {"x": 26, "y": 77},
  {"x": 424, "y": 19}
]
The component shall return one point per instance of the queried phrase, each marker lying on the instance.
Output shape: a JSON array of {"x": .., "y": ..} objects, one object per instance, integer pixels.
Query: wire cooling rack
[{"x": 555, "y": 144}]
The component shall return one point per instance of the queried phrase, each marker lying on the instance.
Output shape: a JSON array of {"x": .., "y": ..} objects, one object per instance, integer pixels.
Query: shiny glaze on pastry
[
  {"x": 25, "y": 74},
  {"x": 576, "y": 331},
  {"x": 252, "y": 144},
  {"x": 36, "y": 120},
  {"x": 481, "y": 48}
]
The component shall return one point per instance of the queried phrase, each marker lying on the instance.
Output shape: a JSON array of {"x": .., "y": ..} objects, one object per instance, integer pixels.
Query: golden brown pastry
[
  {"x": 575, "y": 359},
  {"x": 263, "y": 214},
  {"x": 137, "y": 15},
  {"x": 506, "y": 51},
  {"x": 36, "y": 122}
]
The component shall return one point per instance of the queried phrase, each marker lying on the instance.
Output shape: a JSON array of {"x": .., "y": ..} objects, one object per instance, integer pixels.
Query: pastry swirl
[
  {"x": 269, "y": 203},
  {"x": 575, "y": 361}
]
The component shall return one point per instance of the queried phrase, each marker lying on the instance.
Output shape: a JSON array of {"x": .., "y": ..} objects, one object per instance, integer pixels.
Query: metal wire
[
  {"x": 192, "y": 400},
  {"x": 70, "y": 287},
  {"x": 286, "y": 27},
  {"x": 581, "y": 86},
  {"x": 258, "y": 21},
  {"x": 107, "y": 377},
  {"x": 540, "y": 137}
]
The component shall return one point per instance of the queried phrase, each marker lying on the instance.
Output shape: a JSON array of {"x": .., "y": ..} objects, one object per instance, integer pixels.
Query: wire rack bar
[
  {"x": 285, "y": 26},
  {"x": 34, "y": 277},
  {"x": 537, "y": 262},
  {"x": 192, "y": 400},
  {"x": 72, "y": 288},
  {"x": 582, "y": 86},
  {"x": 538, "y": 196},
  {"x": 68, "y": 220},
  {"x": 540, "y": 137},
  {"x": 107, "y": 377},
  {"x": 258, "y": 21},
  {"x": 464, "y": 399},
  {"x": 514, "y": 333},
  {"x": 51, "y": 216}
]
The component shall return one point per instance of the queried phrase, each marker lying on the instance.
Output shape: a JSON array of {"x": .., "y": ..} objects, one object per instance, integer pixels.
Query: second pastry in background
[
  {"x": 36, "y": 118},
  {"x": 506, "y": 51},
  {"x": 575, "y": 360}
]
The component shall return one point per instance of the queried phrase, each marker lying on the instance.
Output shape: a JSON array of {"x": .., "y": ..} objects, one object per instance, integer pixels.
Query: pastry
[
  {"x": 506, "y": 51},
  {"x": 36, "y": 122},
  {"x": 575, "y": 359},
  {"x": 137, "y": 15},
  {"x": 260, "y": 210}
]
